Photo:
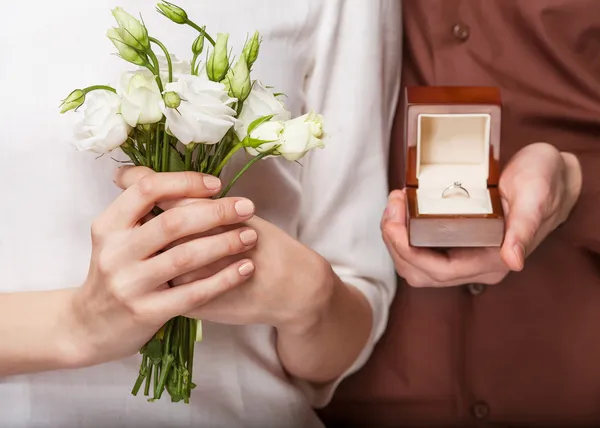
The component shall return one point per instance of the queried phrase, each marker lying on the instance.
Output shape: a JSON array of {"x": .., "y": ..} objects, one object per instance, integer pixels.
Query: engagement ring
[{"x": 458, "y": 186}]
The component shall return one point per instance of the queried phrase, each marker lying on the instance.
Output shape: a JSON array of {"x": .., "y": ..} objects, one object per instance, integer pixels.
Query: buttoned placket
[{"x": 450, "y": 59}]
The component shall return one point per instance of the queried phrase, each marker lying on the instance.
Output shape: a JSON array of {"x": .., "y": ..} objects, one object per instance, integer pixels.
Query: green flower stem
[
  {"x": 226, "y": 159},
  {"x": 167, "y": 363},
  {"x": 133, "y": 153},
  {"x": 141, "y": 377},
  {"x": 238, "y": 108},
  {"x": 200, "y": 156},
  {"x": 142, "y": 143},
  {"x": 201, "y": 31},
  {"x": 192, "y": 336},
  {"x": 156, "y": 166},
  {"x": 99, "y": 87},
  {"x": 156, "y": 378},
  {"x": 167, "y": 55},
  {"x": 181, "y": 348},
  {"x": 165, "y": 153},
  {"x": 139, "y": 156},
  {"x": 168, "y": 332},
  {"x": 189, "y": 150},
  {"x": 246, "y": 168},
  {"x": 148, "y": 376},
  {"x": 156, "y": 70}
]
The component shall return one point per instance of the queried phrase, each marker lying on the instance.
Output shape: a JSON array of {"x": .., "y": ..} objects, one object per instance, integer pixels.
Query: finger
[
  {"x": 126, "y": 176},
  {"x": 493, "y": 272},
  {"x": 195, "y": 254},
  {"x": 139, "y": 198},
  {"x": 522, "y": 224},
  {"x": 186, "y": 221},
  {"x": 395, "y": 235},
  {"x": 432, "y": 268},
  {"x": 208, "y": 270},
  {"x": 187, "y": 297}
]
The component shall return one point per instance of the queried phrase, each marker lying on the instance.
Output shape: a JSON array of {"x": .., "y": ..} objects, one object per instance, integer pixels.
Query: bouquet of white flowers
[{"x": 171, "y": 115}]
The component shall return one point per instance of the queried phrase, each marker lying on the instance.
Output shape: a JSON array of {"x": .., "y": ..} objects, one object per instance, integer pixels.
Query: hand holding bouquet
[{"x": 171, "y": 115}]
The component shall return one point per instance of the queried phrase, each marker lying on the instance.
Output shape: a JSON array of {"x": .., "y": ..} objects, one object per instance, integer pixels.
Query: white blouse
[{"x": 338, "y": 57}]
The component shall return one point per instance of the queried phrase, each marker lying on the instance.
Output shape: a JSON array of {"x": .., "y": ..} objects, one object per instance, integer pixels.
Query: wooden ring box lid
[{"x": 452, "y": 134}]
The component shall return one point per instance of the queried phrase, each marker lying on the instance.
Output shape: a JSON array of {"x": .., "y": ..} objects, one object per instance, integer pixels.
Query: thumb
[
  {"x": 395, "y": 211},
  {"x": 522, "y": 224},
  {"x": 127, "y": 176}
]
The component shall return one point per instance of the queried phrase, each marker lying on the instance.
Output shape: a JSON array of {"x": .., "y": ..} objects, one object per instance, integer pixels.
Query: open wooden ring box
[{"x": 452, "y": 143}]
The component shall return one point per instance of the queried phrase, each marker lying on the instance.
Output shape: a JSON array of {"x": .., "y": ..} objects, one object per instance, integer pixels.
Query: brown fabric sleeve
[{"x": 583, "y": 225}]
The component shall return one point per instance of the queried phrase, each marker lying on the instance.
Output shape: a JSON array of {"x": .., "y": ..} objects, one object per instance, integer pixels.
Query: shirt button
[
  {"x": 481, "y": 410},
  {"x": 461, "y": 32},
  {"x": 476, "y": 289}
]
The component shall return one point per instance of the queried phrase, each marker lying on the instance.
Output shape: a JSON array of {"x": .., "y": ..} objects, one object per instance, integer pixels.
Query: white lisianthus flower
[
  {"x": 294, "y": 138},
  {"x": 141, "y": 100},
  {"x": 180, "y": 68},
  {"x": 204, "y": 115},
  {"x": 270, "y": 132},
  {"x": 260, "y": 103},
  {"x": 102, "y": 128}
]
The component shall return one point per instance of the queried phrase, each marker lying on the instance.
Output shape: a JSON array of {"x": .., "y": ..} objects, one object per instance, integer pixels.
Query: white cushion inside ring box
[{"x": 453, "y": 148}]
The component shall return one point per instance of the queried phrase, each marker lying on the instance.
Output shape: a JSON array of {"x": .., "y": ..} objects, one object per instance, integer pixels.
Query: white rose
[
  {"x": 102, "y": 128},
  {"x": 204, "y": 115},
  {"x": 294, "y": 137},
  {"x": 141, "y": 100},
  {"x": 260, "y": 103}
]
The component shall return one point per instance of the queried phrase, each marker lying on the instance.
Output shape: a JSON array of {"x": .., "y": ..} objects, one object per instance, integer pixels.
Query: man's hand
[{"x": 539, "y": 188}]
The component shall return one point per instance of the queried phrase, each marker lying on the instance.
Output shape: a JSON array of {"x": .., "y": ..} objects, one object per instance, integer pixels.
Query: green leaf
[
  {"x": 176, "y": 163},
  {"x": 259, "y": 122}
]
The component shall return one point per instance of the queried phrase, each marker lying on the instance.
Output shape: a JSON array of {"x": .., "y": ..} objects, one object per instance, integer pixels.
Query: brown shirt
[{"x": 525, "y": 352}]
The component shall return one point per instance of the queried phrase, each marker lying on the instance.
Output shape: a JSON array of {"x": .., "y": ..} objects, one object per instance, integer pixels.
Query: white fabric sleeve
[{"x": 354, "y": 83}]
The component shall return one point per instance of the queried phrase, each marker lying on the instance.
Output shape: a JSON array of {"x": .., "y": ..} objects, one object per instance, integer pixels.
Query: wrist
[
  {"x": 309, "y": 312},
  {"x": 72, "y": 348},
  {"x": 572, "y": 176}
]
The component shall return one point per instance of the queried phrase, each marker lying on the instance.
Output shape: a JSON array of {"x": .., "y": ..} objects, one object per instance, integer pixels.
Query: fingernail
[
  {"x": 246, "y": 269},
  {"x": 116, "y": 174},
  {"x": 248, "y": 236},
  {"x": 519, "y": 251},
  {"x": 211, "y": 182},
  {"x": 244, "y": 207},
  {"x": 389, "y": 212}
]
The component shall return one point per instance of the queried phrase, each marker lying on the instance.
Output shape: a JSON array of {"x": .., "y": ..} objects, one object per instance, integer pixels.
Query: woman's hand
[
  {"x": 291, "y": 286},
  {"x": 320, "y": 320},
  {"x": 125, "y": 298},
  {"x": 291, "y": 283}
]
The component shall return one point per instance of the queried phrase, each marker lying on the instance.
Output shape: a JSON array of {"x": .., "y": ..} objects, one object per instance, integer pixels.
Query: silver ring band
[{"x": 458, "y": 186}]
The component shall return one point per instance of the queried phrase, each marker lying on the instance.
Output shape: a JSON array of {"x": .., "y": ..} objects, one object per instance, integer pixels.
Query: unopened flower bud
[
  {"x": 251, "y": 49},
  {"x": 198, "y": 45},
  {"x": 174, "y": 13},
  {"x": 237, "y": 80},
  {"x": 172, "y": 99},
  {"x": 131, "y": 31},
  {"x": 125, "y": 51},
  {"x": 218, "y": 62},
  {"x": 73, "y": 101}
]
